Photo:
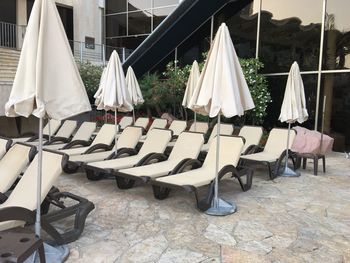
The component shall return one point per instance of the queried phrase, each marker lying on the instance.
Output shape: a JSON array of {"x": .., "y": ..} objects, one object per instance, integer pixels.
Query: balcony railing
[{"x": 10, "y": 34}]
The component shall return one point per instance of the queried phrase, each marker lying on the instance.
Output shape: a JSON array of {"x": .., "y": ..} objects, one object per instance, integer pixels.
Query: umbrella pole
[
  {"x": 49, "y": 130},
  {"x": 195, "y": 122},
  {"x": 40, "y": 163},
  {"x": 116, "y": 131},
  {"x": 287, "y": 172},
  {"x": 219, "y": 206},
  {"x": 133, "y": 116}
]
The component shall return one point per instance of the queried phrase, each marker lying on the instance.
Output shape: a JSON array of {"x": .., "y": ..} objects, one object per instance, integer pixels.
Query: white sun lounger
[
  {"x": 102, "y": 142},
  {"x": 156, "y": 142},
  {"x": 127, "y": 140},
  {"x": 199, "y": 127},
  {"x": 177, "y": 127},
  {"x": 273, "y": 152},
  {"x": 186, "y": 147},
  {"x": 81, "y": 137},
  {"x": 252, "y": 136},
  {"x": 230, "y": 151},
  {"x": 225, "y": 129},
  {"x": 157, "y": 123},
  {"x": 5, "y": 145},
  {"x": 142, "y": 122},
  {"x": 125, "y": 121},
  {"x": 13, "y": 163}
]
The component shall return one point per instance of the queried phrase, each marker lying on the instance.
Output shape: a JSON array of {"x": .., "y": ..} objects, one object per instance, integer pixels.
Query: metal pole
[
  {"x": 287, "y": 172},
  {"x": 216, "y": 188},
  {"x": 123, "y": 55},
  {"x": 49, "y": 130},
  {"x": 322, "y": 127},
  {"x": 81, "y": 51},
  {"x": 195, "y": 121},
  {"x": 116, "y": 130},
  {"x": 38, "y": 183},
  {"x": 320, "y": 64},
  {"x": 211, "y": 29},
  {"x": 103, "y": 55},
  {"x": 258, "y": 32},
  {"x": 133, "y": 116}
]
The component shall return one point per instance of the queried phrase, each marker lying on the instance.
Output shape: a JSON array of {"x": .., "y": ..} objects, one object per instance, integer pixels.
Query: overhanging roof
[{"x": 178, "y": 26}]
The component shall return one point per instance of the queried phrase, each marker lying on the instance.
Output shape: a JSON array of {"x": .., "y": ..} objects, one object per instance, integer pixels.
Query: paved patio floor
[{"x": 305, "y": 219}]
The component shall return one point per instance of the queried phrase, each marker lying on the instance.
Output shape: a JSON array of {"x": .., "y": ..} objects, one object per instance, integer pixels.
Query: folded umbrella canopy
[
  {"x": 133, "y": 89},
  {"x": 221, "y": 89},
  {"x": 47, "y": 81},
  {"x": 191, "y": 85},
  {"x": 293, "y": 107},
  {"x": 112, "y": 93}
]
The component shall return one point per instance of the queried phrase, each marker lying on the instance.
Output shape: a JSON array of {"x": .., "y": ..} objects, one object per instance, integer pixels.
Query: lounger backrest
[
  {"x": 277, "y": 141},
  {"x": 85, "y": 131},
  {"x": 53, "y": 127},
  {"x": 188, "y": 145},
  {"x": 199, "y": 127},
  {"x": 158, "y": 123},
  {"x": 129, "y": 137},
  {"x": 251, "y": 134},
  {"x": 24, "y": 194},
  {"x": 142, "y": 122},
  {"x": 105, "y": 135},
  {"x": 67, "y": 129},
  {"x": 225, "y": 129},
  {"x": 125, "y": 121},
  {"x": 156, "y": 141},
  {"x": 230, "y": 152},
  {"x": 12, "y": 164},
  {"x": 178, "y": 127},
  {"x": 3, "y": 146}
]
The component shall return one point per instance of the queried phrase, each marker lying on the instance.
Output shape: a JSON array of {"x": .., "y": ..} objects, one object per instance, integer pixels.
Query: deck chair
[
  {"x": 127, "y": 140},
  {"x": 177, "y": 127},
  {"x": 63, "y": 134},
  {"x": 273, "y": 152},
  {"x": 157, "y": 123},
  {"x": 102, "y": 142},
  {"x": 82, "y": 137},
  {"x": 125, "y": 121},
  {"x": 19, "y": 208},
  {"x": 187, "y": 146},
  {"x": 252, "y": 136},
  {"x": 225, "y": 129},
  {"x": 142, "y": 122},
  {"x": 5, "y": 145},
  {"x": 203, "y": 175},
  {"x": 12, "y": 164},
  {"x": 156, "y": 142},
  {"x": 199, "y": 127},
  {"x": 50, "y": 129}
]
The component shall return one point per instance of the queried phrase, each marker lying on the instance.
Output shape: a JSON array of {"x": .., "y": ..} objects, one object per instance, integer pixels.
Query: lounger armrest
[
  {"x": 3, "y": 198},
  {"x": 27, "y": 134},
  {"x": 180, "y": 167},
  {"x": 98, "y": 147},
  {"x": 57, "y": 140},
  {"x": 156, "y": 157},
  {"x": 8, "y": 144},
  {"x": 144, "y": 159},
  {"x": 120, "y": 152},
  {"x": 174, "y": 137},
  {"x": 80, "y": 209},
  {"x": 17, "y": 213},
  {"x": 143, "y": 129},
  {"x": 33, "y": 138},
  {"x": 76, "y": 143}
]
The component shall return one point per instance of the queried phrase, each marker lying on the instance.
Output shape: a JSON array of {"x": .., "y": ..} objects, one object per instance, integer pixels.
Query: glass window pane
[
  {"x": 337, "y": 110},
  {"x": 116, "y": 25},
  {"x": 140, "y": 22},
  {"x": 242, "y": 26},
  {"x": 135, "y": 5},
  {"x": 159, "y": 14},
  {"x": 277, "y": 85},
  {"x": 160, "y": 3},
  {"x": 290, "y": 31},
  {"x": 113, "y": 6},
  {"x": 336, "y": 52}
]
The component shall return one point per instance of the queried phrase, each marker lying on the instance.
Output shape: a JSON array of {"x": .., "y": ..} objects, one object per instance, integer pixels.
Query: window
[
  {"x": 139, "y": 22},
  {"x": 116, "y": 25}
]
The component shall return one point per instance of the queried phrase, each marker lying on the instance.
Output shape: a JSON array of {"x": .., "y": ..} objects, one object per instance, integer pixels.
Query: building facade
[{"x": 314, "y": 33}]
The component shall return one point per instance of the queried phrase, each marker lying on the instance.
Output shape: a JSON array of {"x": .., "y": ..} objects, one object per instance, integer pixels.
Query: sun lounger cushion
[
  {"x": 225, "y": 129},
  {"x": 177, "y": 127},
  {"x": 24, "y": 194},
  {"x": 3, "y": 147},
  {"x": 251, "y": 134},
  {"x": 142, "y": 122},
  {"x": 199, "y": 127},
  {"x": 125, "y": 121},
  {"x": 230, "y": 151}
]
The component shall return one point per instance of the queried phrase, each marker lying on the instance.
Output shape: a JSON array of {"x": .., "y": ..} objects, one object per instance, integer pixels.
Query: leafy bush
[{"x": 91, "y": 75}]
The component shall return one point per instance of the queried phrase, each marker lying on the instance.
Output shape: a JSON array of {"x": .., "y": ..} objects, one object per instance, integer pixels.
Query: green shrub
[{"x": 91, "y": 75}]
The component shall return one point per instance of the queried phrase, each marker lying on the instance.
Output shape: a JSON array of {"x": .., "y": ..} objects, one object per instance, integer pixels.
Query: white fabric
[
  {"x": 112, "y": 93},
  {"x": 222, "y": 88},
  {"x": 191, "y": 84},
  {"x": 133, "y": 88},
  {"x": 47, "y": 81},
  {"x": 294, "y": 106}
]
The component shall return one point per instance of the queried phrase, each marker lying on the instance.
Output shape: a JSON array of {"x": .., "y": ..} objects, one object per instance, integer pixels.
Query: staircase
[{"x": 8, "y": 64}]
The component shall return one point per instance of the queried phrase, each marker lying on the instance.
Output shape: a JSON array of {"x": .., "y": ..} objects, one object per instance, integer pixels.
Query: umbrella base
[
  {"x": 221, "y": 208},
  {"x": 287, "y": 172},
  {"x": 53, "y": 254}
]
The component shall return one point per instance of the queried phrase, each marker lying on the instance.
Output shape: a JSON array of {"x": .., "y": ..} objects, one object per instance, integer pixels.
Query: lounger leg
[
  {"x": 315, "y": 164},
  {"x": 271, "y": 175},
  {"x": 124, "y": 183},
  {"x": 304, "y": 163},
  {"x": 41, "y": 253},
  {"x": 324, "y": 163},
  {"x": 160, "y": 192},
  {"x": 93, "y": 175}
]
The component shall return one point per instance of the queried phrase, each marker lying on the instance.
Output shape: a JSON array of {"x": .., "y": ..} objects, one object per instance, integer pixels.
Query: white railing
[{"x": 11, "y": 35}]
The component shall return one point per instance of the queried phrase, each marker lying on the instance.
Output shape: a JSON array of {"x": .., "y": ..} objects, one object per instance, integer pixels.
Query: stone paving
[{"x": 305, "y": 219}]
